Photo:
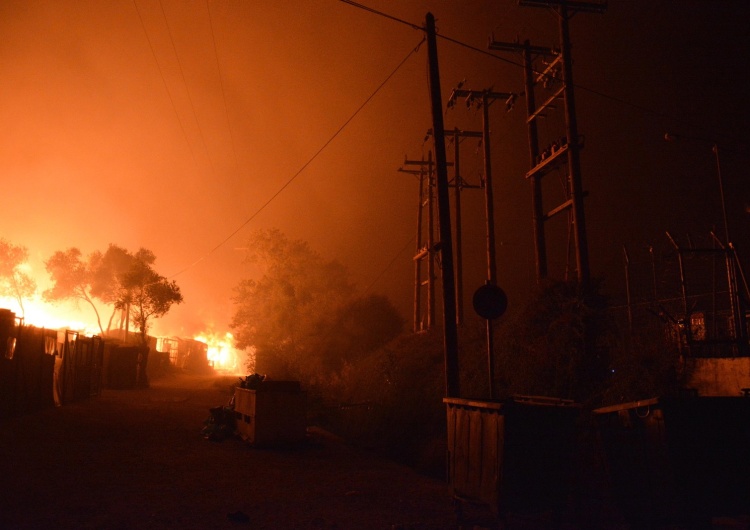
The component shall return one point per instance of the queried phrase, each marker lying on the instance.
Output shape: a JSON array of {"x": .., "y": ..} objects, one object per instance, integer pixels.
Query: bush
[
  {"x": 392, "y": 400},
  {"x": 558, "y": 346},
  {"x": 642, "y": 367},
  {"x": 562, "y": 344}
]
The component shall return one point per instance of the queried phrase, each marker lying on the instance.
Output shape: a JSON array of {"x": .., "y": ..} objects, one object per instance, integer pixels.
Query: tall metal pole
[
  {"x": 684, "y": 290},
  {"x": 627, "y": 290},
  {"x": 737, "y": 311},
  {"x": 738, "y": 321},
  {"x": 450, "y": 331},
  {"x": 715, "y": 150},
  {"x": 737, "y": 314}
]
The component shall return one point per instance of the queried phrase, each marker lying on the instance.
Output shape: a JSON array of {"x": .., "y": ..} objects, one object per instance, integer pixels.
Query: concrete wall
[{"x": 720, "y": 376}]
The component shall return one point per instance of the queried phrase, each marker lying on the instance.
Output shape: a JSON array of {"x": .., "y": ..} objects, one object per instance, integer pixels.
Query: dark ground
[{"x": 137, "y": 459}]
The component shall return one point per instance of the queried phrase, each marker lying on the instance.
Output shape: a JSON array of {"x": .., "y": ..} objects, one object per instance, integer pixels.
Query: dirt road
[{"x": 137, "y": 459}]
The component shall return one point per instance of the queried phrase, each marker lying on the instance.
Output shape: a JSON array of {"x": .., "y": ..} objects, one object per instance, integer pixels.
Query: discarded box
[{"x": 273, "y": 414}]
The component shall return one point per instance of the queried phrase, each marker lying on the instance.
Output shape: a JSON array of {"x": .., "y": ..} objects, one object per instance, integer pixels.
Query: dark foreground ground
[{"x": 137, "y": 459}]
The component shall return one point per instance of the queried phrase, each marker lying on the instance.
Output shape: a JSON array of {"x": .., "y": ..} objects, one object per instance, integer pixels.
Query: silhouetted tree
[
  {"x": 106, "y": 270},
  {"x": 71, "y": 276},
  {"x": 357, "y": 328},
  {"x": 145, "y": 293},
  {"x": 96, "y": 276},
  {"x": 14, "y": 282},
  {"x": 117, "y": 278},
  {"x": 301, "y": 313}
]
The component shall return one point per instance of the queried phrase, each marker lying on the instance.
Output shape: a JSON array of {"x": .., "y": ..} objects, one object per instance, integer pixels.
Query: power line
[
  {"x": 385, "y": 15},
  {"x": 221, "y": 84},
  {"x": 187, "y": 90},
  {"x": 389, "y": 265},
  {"x": 304, "y": 166},
  {"x": 457, "y": 42},
  {"x": 166, "y": 86}
]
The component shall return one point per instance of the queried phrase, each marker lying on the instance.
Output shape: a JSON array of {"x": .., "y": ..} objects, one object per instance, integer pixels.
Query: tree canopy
[
  {"x": 302, "y": 313},
  {"x": 145, "y": 293},
  {"x": 86, "y": 278},
  {"x": 117, "y": 278},
  {"x": 14, "y": 281}
]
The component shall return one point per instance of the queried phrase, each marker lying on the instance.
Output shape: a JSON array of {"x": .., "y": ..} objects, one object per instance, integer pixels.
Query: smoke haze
[{"x": 182, "y": 126}]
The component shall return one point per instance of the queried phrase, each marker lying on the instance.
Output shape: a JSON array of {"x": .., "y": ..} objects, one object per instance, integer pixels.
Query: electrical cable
[
  {"x": 644, "y": 109},
  {"x": 304, "y": 166},
  {"x": 385, "y": 15},
  {"x": 221, "y": 84},
  {"x": 166, "y": 86},
  {"x": 187, "y": 90},
  {"x": 389, "y": 265}
]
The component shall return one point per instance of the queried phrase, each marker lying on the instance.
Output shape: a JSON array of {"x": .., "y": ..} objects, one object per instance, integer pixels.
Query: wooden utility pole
[
  {"x": 574, "y": 150},
  {"x": 458, "y": 184},
  {"x": 457, "y": 205},
  {"x": 485, "y": 98},
  {"x": 450, "y": 331},
  {"x": 570, "y": 144},
  {"x": 424, "y": 251},
  {"x": 538, "y": 216},
  {"x": 417, "y": 264}
]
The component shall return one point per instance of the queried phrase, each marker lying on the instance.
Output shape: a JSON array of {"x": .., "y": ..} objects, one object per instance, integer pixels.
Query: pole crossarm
[
  {"x": 595, "y": 6},
  {"x": 518, "y": 47},
  {"x": 459, "y": 132},
  {"x": 451, "y": 184},
  {"x": 410, "y": 171},
  {"x": 422, "y": 163},
  {"x": 480, "y": 95}
]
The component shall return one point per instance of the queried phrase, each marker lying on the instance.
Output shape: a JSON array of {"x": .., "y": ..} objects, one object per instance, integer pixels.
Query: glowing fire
[
  {"x": 38, "y": 312},
  {"x": 80, "y": 317},
  {"x": 222, "y": 354},
  {"x": 45, "y": 315}
]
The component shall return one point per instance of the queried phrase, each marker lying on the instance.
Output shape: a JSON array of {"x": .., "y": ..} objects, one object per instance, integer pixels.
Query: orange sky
[{"x": 152, "y": 124}]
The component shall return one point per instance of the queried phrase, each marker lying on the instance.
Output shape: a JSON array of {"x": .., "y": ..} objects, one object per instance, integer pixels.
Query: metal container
[{"x": 273, "y": 414}]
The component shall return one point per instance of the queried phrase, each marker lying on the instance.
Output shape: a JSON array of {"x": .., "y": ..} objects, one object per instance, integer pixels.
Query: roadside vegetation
[{"x": 382, "y": 387}]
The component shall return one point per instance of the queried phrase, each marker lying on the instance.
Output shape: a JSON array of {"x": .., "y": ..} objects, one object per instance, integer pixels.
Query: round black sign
[{"x": 490, "y": 301}]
